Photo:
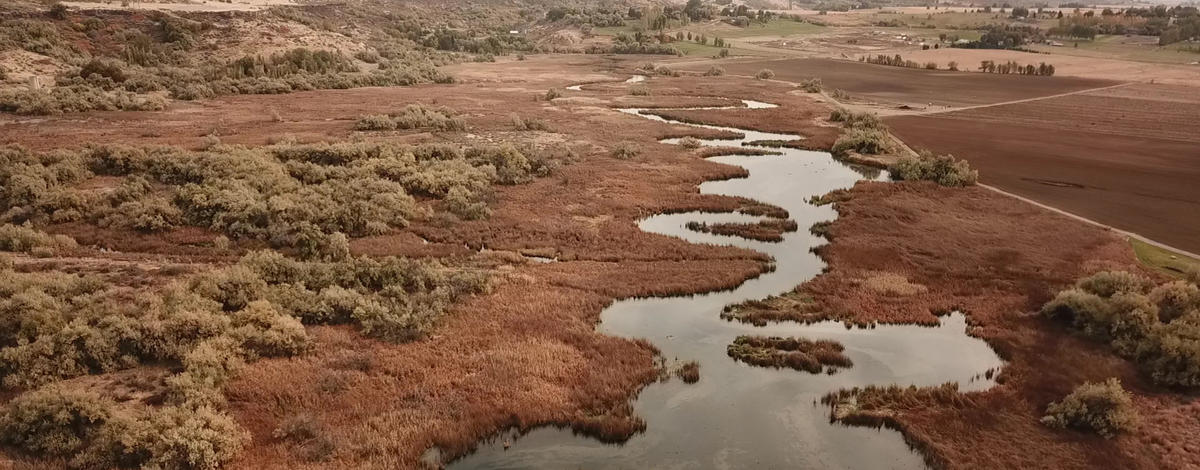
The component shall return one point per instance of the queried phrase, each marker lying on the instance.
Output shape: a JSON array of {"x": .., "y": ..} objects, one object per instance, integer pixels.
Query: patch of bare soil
[{"x": 927, "y": 250}]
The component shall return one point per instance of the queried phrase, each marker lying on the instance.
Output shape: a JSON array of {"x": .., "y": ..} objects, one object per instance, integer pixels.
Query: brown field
[
  {"x": 914, "y": 87},
  {"x": 997, "y": 259},
  {"x": 1126, "y": 157}
]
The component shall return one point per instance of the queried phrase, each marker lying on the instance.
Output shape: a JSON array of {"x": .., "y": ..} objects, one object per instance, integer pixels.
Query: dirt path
[{"x": 1025, "y": 100}]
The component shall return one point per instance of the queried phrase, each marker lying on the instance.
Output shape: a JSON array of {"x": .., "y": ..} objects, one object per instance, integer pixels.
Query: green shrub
[
  {"x": 1114, "y": 306},
  {"x": 765, "y": 74},
  {"x": 414, "y": 116},
  {"x": 76, "y": 98},
  {"x": 863, "y": 141},
  {"x": 942, "y": 169},
  {"x": 552, "y": 94},
  {"x": 24, "y": 239},
  {"x": 192, "y": 439},
  {"x": 1108, "y": 283},
  {"x": 639, "y": 90},
  {"x": 529, "y": 124},
  {"x": 292, "y": 196},
  {"x": 375, "y": 122},
  {"x": 689, "y": 143},
  {"x": 856, "y": 119},
  {"x": 1175, "y": 299},
  {"x": 715, "y": 71},
  {"x": 1105, "y": 408},
  {"x": 52, "y": 421}
]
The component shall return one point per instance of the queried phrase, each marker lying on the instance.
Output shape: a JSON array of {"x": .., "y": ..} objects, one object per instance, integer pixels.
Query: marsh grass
[
  {"x": 796, "y": 353},
  {"x": 689, "y": 372}
]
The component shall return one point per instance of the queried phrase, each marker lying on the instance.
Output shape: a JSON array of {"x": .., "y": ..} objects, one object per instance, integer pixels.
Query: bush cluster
[
  {"x": 26, "y": 239},
  {"x": 856, "y": 119},
  {"x": 863, "y": 141},
  {"x": 812, "y": 85},
  {"x": 76, "y": 98},
  {"x": 414, "y": 116},
  {"x": 57, "y": 326},
  {"x": 942, "y": 169},
  {"x": 307, "y": 198},
  {"x": 1105, "y": 408},
  {"x": 94, "y": 433},
  {"x": 1158, "y": 326}
]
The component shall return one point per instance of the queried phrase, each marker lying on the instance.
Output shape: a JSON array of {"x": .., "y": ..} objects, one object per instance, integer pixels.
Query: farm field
[
  {"x": 914, "y": 87},
  {"x": 1124, "y": 156}
]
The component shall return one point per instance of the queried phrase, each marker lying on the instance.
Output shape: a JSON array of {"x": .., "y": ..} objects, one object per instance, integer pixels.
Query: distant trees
[{"x": 1012, "y": 67}]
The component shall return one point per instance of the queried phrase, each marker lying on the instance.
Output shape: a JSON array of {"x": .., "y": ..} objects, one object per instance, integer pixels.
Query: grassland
[
  {"x": 1136, "y": 48},
  {"x": 1163, "y": 260}
]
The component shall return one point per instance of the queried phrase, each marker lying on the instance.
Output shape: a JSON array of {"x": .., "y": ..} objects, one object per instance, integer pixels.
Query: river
[{"x": 740, "y": 416}]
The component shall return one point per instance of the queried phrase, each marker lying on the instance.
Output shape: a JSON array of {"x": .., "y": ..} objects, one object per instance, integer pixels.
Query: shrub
[
  {"x": 856, "y": 119},
  {"x": 414, "y": 116},
  {"x": 25, "y": 239},
  {"x": 943, "y": 169},
  {"x": 639, "y": 90},
  {"x": 552, "y": 93},
  {"x": 864, "y": 141},
  {"x": 1160, "y": 331},
  {"x": 625, "y": 151},
  {"x": 715, "y": 71},
  {"x": 75, "y": 98},
  {"x": 1105, "y": 408},
  {"x": 765, "y": 74},
  {"x": 529, "y": 124},
  {"x": 192, "y": 439},
  {"x": 52, "y": 421},
  {"x": 1175, "y": 299},
  {"x": 689, "y": 143},
  {"x": 375, "y": 122},
  {"x": 812, "y": 85},
  {"x": 1108, "y": 283}
]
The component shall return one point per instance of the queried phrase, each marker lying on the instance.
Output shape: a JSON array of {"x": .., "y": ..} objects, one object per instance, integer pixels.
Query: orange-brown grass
[
  {"x": 524, "y": 356},
  {"x": 795, "y": 353},
  {"x": 794, "y": 308},
  {"x": 770, "y": 230},
  {"x": 997, "y": 260}
]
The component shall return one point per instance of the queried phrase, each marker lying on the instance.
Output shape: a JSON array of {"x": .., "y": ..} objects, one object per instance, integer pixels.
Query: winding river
[{"x": 740, "y": 416}]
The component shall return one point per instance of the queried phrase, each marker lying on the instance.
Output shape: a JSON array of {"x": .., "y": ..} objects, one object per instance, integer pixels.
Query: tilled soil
[{"x": 1126, "y": 157}]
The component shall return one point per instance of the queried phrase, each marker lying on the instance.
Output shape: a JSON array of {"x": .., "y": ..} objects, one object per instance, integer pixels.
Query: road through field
[{"x": 1023, "y": 100}]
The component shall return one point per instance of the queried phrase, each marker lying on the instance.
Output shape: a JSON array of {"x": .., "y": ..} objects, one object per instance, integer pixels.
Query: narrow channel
[{"x": 741, "y": 416}]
